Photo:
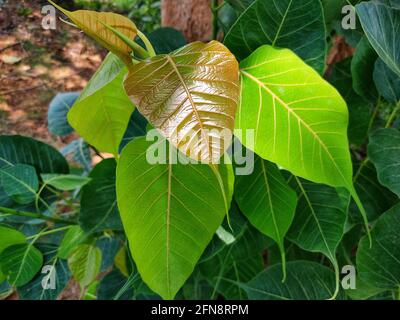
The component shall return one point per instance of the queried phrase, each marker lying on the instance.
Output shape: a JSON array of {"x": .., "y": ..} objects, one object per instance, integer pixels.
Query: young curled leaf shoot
[{"x": 92, "y": 23}]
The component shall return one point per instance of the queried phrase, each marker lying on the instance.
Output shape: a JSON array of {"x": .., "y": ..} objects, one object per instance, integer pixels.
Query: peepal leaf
[
  {"x": 267, "y": 201},
  {"x": 381, "y": 23},
  {"x": 379, "y": 265},
  {"x": 24, "y": 150},
  {"x": 20, "y": 263},
  {"x": 384, "y": 152},
  {"x": 190, "y": 96},
  {"x": 65, "y": 182},
  {"x": 93, "y": 24},
  {"x": 299, "y": 119},
  {"x": 55, "y": 269},
  {"x": 20, "y": 182},
  {"x": 319, "y": 222},
  {"x": 9, "y": 237},
  {"x": 170, "y": 212},
  {"x": 306, "y": 280},
  {"x": 101, "y": 115},
  {"x": 294, "y": 24},
  {"x": 84, "y": 263}
]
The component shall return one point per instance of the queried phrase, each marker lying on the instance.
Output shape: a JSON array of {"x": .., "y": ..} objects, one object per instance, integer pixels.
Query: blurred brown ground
[{"x": 35, "y": 64}]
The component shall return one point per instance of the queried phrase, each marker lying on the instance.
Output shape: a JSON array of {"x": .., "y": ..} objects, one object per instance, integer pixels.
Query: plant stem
[
  {"x": 374, "y": 115},
  {"x": 392, "y": 116},
  {"x": 35, "y": 216},
  {"x": 50, "y": 232},
  {"x": 147, "y": 43}
]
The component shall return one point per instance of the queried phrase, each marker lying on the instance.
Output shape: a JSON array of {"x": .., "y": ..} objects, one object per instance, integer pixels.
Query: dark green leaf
[
  {"x": 387, "y": 82},
  {"x": 20, "y": 263},
  {"x": 267, "y": 201},
  {"x": 379, "y": 266},
  {"x": 384, "y": 152},
  {"x": 381, "y": 24},
  {"x": 55, "y": 267},
  {"x": 99, "y": 209},
  {"x": 111, "y": 284},
  {"x": 20, "y": 182},
  {"x": 281, "y": 23},
  {"x": 23, "y": 150},
  {"x": 305, "y": 281},
  {"x": 362, "y": 68}
]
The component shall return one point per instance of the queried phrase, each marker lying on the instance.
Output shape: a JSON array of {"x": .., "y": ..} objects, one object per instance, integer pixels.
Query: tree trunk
[{"x": 192, "y": 17}]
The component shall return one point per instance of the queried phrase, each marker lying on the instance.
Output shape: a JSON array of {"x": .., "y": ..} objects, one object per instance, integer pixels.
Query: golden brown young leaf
[
  {"x": 93, "y": 24},
  {"x": 191, "y": 96}
]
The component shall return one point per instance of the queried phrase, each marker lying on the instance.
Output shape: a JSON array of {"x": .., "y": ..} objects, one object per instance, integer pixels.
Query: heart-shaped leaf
[
  {"x": 281, "y": 23},
  {"x": 190, "y": 96},
  {"x": 93, "y": 24},
  {"x": 299, "y": 120},
  {"x": 319, "y": 222},
  {"x": 170, "y": 213},
  {"x": 267, "y": 201}
]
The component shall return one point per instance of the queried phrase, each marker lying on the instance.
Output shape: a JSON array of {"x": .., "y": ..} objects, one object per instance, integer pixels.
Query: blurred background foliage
[{"x": 145, "y": 13}]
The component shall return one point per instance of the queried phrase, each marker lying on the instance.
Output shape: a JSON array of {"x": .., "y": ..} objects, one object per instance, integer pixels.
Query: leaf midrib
[
  {"x": 189, "y": 95},
  {"x": 306, "y": 126}
]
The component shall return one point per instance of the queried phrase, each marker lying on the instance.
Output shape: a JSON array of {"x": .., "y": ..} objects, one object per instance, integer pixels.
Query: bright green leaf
[
  {"x": 9, "y": 237},
  {"x": 65, "y": 182},
  {"x": 84, "y": 263},
  {"x": 101, "y": 113},
  {"x": 72, "y": 238},
  {"x": 170, "y": 213},
  {"x": 299, "y": 120}
]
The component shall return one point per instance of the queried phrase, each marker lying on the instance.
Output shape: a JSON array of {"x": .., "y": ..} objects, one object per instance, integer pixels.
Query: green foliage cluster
[
  {"x": 323, "y": 195},
  {"x": 145, "y": 13}
]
